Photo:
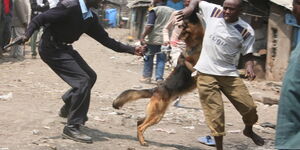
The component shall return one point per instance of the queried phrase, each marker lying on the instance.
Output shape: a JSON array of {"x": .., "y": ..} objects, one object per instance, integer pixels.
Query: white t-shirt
[{"x": 223, "y": 42}]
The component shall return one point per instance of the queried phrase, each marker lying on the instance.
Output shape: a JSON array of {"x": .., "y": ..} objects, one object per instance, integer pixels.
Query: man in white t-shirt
[{"x": 226, "y": 37}]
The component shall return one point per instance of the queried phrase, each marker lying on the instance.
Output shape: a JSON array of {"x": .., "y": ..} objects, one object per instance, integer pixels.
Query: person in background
[
  {"x": 226, "y": 37},
  {"x": 53, "y": 3},
  {"x": 37, "y": 7},
  {"x": 175, "y": 4},
  {"x": 5, "y": 23},
  {"x": 157, "y": 18},
  {"x": 64, "y": 24},
  {"x": 171, "y": 32},
  {"x": 20, "y": 20},
  {"x": 288, "y": 118}
]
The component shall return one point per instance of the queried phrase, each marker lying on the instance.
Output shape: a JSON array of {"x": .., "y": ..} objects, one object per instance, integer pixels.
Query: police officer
[{"x": 64, "y": 24}]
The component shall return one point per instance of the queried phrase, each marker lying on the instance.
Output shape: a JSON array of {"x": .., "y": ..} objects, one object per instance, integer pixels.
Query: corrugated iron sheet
[
  {"x": 285, "y": 3},
  {"x": 139, "y": 3}
]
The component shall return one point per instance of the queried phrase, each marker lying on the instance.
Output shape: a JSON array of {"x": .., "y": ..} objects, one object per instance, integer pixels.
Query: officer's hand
[{"x": 139, "y": 50}]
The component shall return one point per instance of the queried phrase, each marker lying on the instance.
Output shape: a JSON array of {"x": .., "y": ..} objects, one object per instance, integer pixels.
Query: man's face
[
  {"x": 93, "y": 3},
  {"x": 232, "y": 10},
  {"x": 296, "y": 10}
]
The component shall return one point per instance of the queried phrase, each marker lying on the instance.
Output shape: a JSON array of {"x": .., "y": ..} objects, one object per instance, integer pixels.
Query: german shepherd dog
[{"x": 179, "y": 82}]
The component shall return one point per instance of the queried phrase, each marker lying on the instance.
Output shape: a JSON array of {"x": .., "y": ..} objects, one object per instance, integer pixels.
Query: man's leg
[
  {"x": 238, "y": 94},
  {"x": 33, "y": 43},
  {"x": 148, "y": 64},
  {"x": 65, "y": 63},
  {"x": 17, "y": 51},
  {"x": 213, "y": 108},
  {"x": 160, "y": 64}
]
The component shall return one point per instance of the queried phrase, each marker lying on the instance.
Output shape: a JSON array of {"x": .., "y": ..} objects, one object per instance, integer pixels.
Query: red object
[{"x": 6, "y": 4}]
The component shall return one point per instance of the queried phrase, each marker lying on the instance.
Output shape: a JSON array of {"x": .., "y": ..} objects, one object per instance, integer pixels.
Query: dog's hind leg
[
  {"x": 131, "y": 95},
  {"x": 155, "y": 112}
]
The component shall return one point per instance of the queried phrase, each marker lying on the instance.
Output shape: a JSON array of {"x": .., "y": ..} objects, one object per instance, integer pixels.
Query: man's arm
[
  {"x": 187, "y": 11},
  {"x": 149, "y": 27},
  {"x": 97, "y": 32},
  {"x": 249, "y": 65},
  {"x": 56, "y": 14},
  {"x": 168, "y": 28}
]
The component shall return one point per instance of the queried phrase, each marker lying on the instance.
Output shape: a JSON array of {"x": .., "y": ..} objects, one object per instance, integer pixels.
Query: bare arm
[
  {"x": 249, "y": 67},
  {"x": 187, "y": 11},
  {"x": 148, "y": 29}
]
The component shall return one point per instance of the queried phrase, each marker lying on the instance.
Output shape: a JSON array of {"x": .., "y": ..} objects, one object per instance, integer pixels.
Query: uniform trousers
[{"x": 71, "y": 67}]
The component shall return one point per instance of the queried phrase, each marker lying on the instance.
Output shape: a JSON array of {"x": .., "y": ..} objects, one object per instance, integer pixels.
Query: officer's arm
[
  {"x": 97, "y": 32},
  {"x": 57, "y": 14}
]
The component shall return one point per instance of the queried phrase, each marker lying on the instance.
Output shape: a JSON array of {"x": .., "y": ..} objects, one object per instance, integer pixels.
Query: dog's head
[{"x": 192, "y": 34}]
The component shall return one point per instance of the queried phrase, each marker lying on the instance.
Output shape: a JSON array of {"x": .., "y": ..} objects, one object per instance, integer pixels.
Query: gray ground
[{"x": 29, "y": 119}]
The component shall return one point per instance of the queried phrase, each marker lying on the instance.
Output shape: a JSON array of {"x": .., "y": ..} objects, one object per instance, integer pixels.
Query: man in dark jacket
[{"x": 64, "y": 24}]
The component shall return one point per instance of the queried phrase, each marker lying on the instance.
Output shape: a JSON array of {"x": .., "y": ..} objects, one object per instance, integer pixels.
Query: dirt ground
[{"x": 31, "y": 97}]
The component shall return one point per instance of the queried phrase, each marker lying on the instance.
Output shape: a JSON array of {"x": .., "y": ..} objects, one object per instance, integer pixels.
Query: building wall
[
  {"x": 279, "y": 44},
  {"x": 137, "y": 21}
]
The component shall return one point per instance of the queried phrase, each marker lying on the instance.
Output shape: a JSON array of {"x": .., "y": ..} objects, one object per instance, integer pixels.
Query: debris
[
  {"x": 234, "y": 131},
  {"x": 98, "y": 119},
  {"x": 116, "y": 113},
  {"x": 268, "y": 125},
  {"x": 169, "y": 131},
  {"x": 6, "y": 97},
  {"x": 105, "y": 109},
  {"x": 4, "y": 148},
  {"x": 46, "y": 127},
  {"x": 35, "y": 132},
  {"x": 229, "y": 124},
  {"x": 189, "y": 127}
]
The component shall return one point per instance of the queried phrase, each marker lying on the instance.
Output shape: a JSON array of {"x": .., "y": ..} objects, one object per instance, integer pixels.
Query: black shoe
[
  {"x": 64, "y": 111},
  {"x": 73, "y": 132}
]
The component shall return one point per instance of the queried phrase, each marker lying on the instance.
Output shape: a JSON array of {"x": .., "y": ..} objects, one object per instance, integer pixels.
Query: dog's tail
[{"x": 131, "y": 95}]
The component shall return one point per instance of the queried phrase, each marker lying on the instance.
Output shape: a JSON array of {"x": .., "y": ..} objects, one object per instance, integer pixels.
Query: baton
[{"x": 17, "y": 41}]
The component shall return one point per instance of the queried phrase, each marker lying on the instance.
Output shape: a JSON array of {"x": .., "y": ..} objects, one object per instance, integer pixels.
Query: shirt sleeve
[
  {"x": 247, "y": 46},
  {"x": 97, "y": 32},
  {"x": 151, "y": 18},
  {"x": 207, "y": 9}
]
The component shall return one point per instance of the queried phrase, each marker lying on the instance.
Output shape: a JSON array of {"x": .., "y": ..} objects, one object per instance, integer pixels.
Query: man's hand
[
  {"x": 17, "y": 41},
  {"x": 140, "y": 50},
  {"x": 166, "y": 43},
  {"x": 179, "y": 16},
  {"x": 249, "y": 71},
  {"x": 142, "y": 42},
  {"x": 24, "y": 38}
]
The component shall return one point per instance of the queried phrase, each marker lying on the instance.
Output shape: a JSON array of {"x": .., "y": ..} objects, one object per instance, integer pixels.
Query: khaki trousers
[{"x": 210, "y": 88}]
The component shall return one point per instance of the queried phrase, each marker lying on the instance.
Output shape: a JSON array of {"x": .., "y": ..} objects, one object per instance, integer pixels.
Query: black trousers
[{"x": 71, "y": 67}]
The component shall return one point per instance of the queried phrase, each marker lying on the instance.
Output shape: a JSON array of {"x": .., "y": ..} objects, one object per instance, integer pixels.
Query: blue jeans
[{"x": 160, "y": 62}]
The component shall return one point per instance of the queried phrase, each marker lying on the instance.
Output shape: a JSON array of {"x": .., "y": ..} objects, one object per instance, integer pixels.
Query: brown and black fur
[{"x": 179, "y": 82}]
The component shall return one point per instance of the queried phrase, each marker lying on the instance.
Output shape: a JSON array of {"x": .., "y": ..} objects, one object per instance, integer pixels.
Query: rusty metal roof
[
  {"x": 139, "y": 3},
  {"x": 285, "y": 3}
]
